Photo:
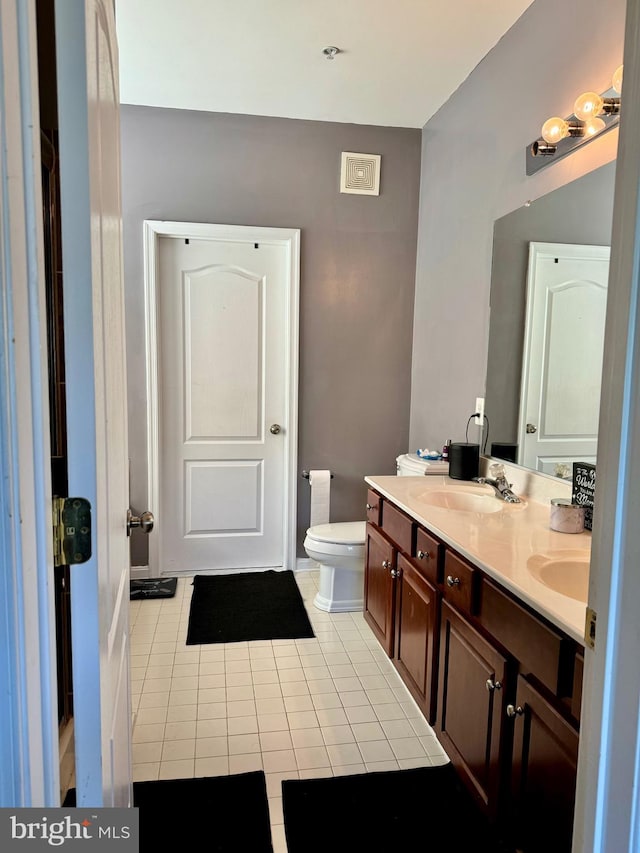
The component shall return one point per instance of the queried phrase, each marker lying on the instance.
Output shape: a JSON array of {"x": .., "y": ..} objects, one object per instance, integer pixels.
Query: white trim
[
  {"x": 29, "y": 730},
  {"x": 306, "y": 564},
  {"x": 150, "y": 248},
  {"x": 139, "y": 572},
  {"x": 607, "y": 798},
  {"x": 153, "y": 230}
]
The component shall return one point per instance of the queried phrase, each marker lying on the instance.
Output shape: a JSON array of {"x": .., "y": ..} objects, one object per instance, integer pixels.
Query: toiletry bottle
[{"x": 445, "y": 451}]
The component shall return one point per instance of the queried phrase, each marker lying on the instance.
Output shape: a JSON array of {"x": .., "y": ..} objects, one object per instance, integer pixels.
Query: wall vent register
[{"x": 360, "y": 173}]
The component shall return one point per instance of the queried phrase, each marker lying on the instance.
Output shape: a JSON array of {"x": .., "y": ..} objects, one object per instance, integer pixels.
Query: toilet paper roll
[{"x": 320, "y": 483}]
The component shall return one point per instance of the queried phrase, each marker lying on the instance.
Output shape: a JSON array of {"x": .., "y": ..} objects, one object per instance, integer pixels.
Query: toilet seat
[{"x": 341, "y": 533}]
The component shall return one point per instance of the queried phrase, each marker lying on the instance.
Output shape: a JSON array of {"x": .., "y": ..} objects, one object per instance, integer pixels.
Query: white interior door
[
  {"x": 562, "y": 361},
  {"x": 226, "y": 425},
  {"x": 87, "y": 63}
]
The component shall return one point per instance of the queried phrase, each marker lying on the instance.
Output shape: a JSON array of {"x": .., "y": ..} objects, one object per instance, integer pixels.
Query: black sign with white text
[{"x": 584, "y": 488}]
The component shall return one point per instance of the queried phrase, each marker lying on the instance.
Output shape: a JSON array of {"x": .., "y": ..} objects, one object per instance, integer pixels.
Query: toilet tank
[{"x": 411, "y": 465}]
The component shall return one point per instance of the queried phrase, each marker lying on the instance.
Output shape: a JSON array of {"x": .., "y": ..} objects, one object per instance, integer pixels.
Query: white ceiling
[{"x": 400, "y": 59}]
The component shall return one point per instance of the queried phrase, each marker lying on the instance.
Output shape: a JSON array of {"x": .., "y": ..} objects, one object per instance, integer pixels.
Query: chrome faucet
[{"x": 499, "y": 483}]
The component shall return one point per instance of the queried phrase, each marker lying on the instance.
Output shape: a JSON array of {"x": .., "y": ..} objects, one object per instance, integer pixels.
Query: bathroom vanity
[{"x": 481, "y": 607}]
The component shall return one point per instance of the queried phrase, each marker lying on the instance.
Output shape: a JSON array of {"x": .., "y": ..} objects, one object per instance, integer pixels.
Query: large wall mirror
[{"x": 538, "y": 246}]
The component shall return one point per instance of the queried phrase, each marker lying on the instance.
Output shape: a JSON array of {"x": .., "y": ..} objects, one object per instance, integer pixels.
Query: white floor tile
[
  {"x": 242, "y": 744},
  {"x": 211, "y": 728},
  {"x": 376, "y": 750},
  {"x": 299, "y": 703},
  {"x": 180, "y": 769},
  {"x": 173, "y": 750},
  {"x": 242, "y": 725},
  {"x": 180, "y": 731},
  {"x": 279, "y": 760},
  {"x": 246, "y": 763},
  {"x": 307, "y": 737},
  {"x": 272, "y": 741},
  {"x": 209, "y": 747},
  {"x": 213, "y": 766},
  {"x": 312, "y": 756}
]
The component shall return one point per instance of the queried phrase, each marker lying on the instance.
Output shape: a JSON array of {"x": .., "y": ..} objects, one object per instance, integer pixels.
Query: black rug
[
  {"x": 219, "y": 814},
  {"x": 247, "y": 606},
  {"x": 142, "y": 588},
  {"x": 425, "y": 808}
]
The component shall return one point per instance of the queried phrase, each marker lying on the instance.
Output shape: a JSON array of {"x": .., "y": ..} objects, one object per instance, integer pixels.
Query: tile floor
[{"x": 296, "y": 709}]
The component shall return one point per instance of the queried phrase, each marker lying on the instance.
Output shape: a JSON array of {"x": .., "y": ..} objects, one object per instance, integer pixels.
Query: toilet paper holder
[{"x": 305, "y": 474}]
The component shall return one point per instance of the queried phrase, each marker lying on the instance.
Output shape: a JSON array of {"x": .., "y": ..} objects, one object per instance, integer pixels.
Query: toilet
[{"x": 339, "y": 549}]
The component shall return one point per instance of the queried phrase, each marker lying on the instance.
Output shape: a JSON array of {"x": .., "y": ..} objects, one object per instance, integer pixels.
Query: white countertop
[{"x": 504, "y": 544}]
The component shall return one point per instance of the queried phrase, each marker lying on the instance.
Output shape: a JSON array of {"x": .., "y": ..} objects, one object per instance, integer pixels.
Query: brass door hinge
[
  {"x": 71, "y": 531},
  {"x": 590, "y": 628}
]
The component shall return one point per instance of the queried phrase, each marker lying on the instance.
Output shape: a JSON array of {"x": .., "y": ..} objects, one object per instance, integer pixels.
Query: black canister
[
  {"x": 504, "y": 450},
  {"x": 464, "y": 460}
]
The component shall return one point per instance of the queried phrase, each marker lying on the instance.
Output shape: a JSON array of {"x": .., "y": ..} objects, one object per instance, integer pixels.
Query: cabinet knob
[
  {"x": 512, "y": 711},
  {"x": 451, "y": 581},
  {"x": 424, "y": 555},
  {"x": 395, "y": 573},
  {"x": 370, "y": 506},
  {"x": 386, "y": 564},
  {"x": 493, "y": 685}
]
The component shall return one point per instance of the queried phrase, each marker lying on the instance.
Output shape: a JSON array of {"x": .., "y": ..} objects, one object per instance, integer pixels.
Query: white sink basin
[
  {"x": 462, "y": 501},
  {"x": 566, "y": 572}
]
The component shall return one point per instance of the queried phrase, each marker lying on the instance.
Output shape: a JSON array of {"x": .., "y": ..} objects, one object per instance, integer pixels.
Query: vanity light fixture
[{"x": 593, "y": 114}]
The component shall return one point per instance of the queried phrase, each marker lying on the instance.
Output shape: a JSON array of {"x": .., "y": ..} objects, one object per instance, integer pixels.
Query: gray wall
[
  {"x": 580, "y": 212},
  {"x": 473, "y": 172},
  {"x": 358, "y": 256}
]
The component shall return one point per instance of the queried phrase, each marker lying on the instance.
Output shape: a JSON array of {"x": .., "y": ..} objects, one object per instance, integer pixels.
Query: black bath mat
[
  {"x": 247, "y": 606},
  {"x": 219, "y": 814},
  {"x": 425, "y": 808},
  {"x": 152, "y": 588}
]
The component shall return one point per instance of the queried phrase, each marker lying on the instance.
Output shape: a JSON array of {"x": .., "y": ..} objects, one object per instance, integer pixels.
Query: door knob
[
  {"x": 531, "y": 428},
  {"x": 274, "y": 429},
  {"x": 143, "y": 521}
]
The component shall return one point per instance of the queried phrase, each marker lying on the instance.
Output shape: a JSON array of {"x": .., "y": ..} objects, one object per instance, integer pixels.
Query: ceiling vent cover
[{"x": 360, "y": 173}]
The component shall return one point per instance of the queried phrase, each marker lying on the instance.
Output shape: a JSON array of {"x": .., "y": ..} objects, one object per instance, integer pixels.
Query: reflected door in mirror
[{"x": 562, "y": 360}]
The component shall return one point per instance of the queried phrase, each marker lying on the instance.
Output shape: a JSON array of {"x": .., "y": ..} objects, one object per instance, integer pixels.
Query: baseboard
[
  {"x": 137, "y": 573},
  {"x": 303, "y": 564}
]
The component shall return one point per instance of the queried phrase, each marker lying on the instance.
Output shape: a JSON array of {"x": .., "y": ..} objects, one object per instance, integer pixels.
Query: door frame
[
  {"x": 29, "y": 750},
  {"x": 153, "y": 231},
  {"x": 607, "y": 815}
]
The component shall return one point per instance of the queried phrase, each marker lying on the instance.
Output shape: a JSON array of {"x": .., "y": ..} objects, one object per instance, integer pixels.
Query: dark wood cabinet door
[
  {"x": 473, "y": 681},
  {"x": 545, "y": 755},
  {"x": 416, "y": 635},
  {"x": 379, "y": 586}
]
